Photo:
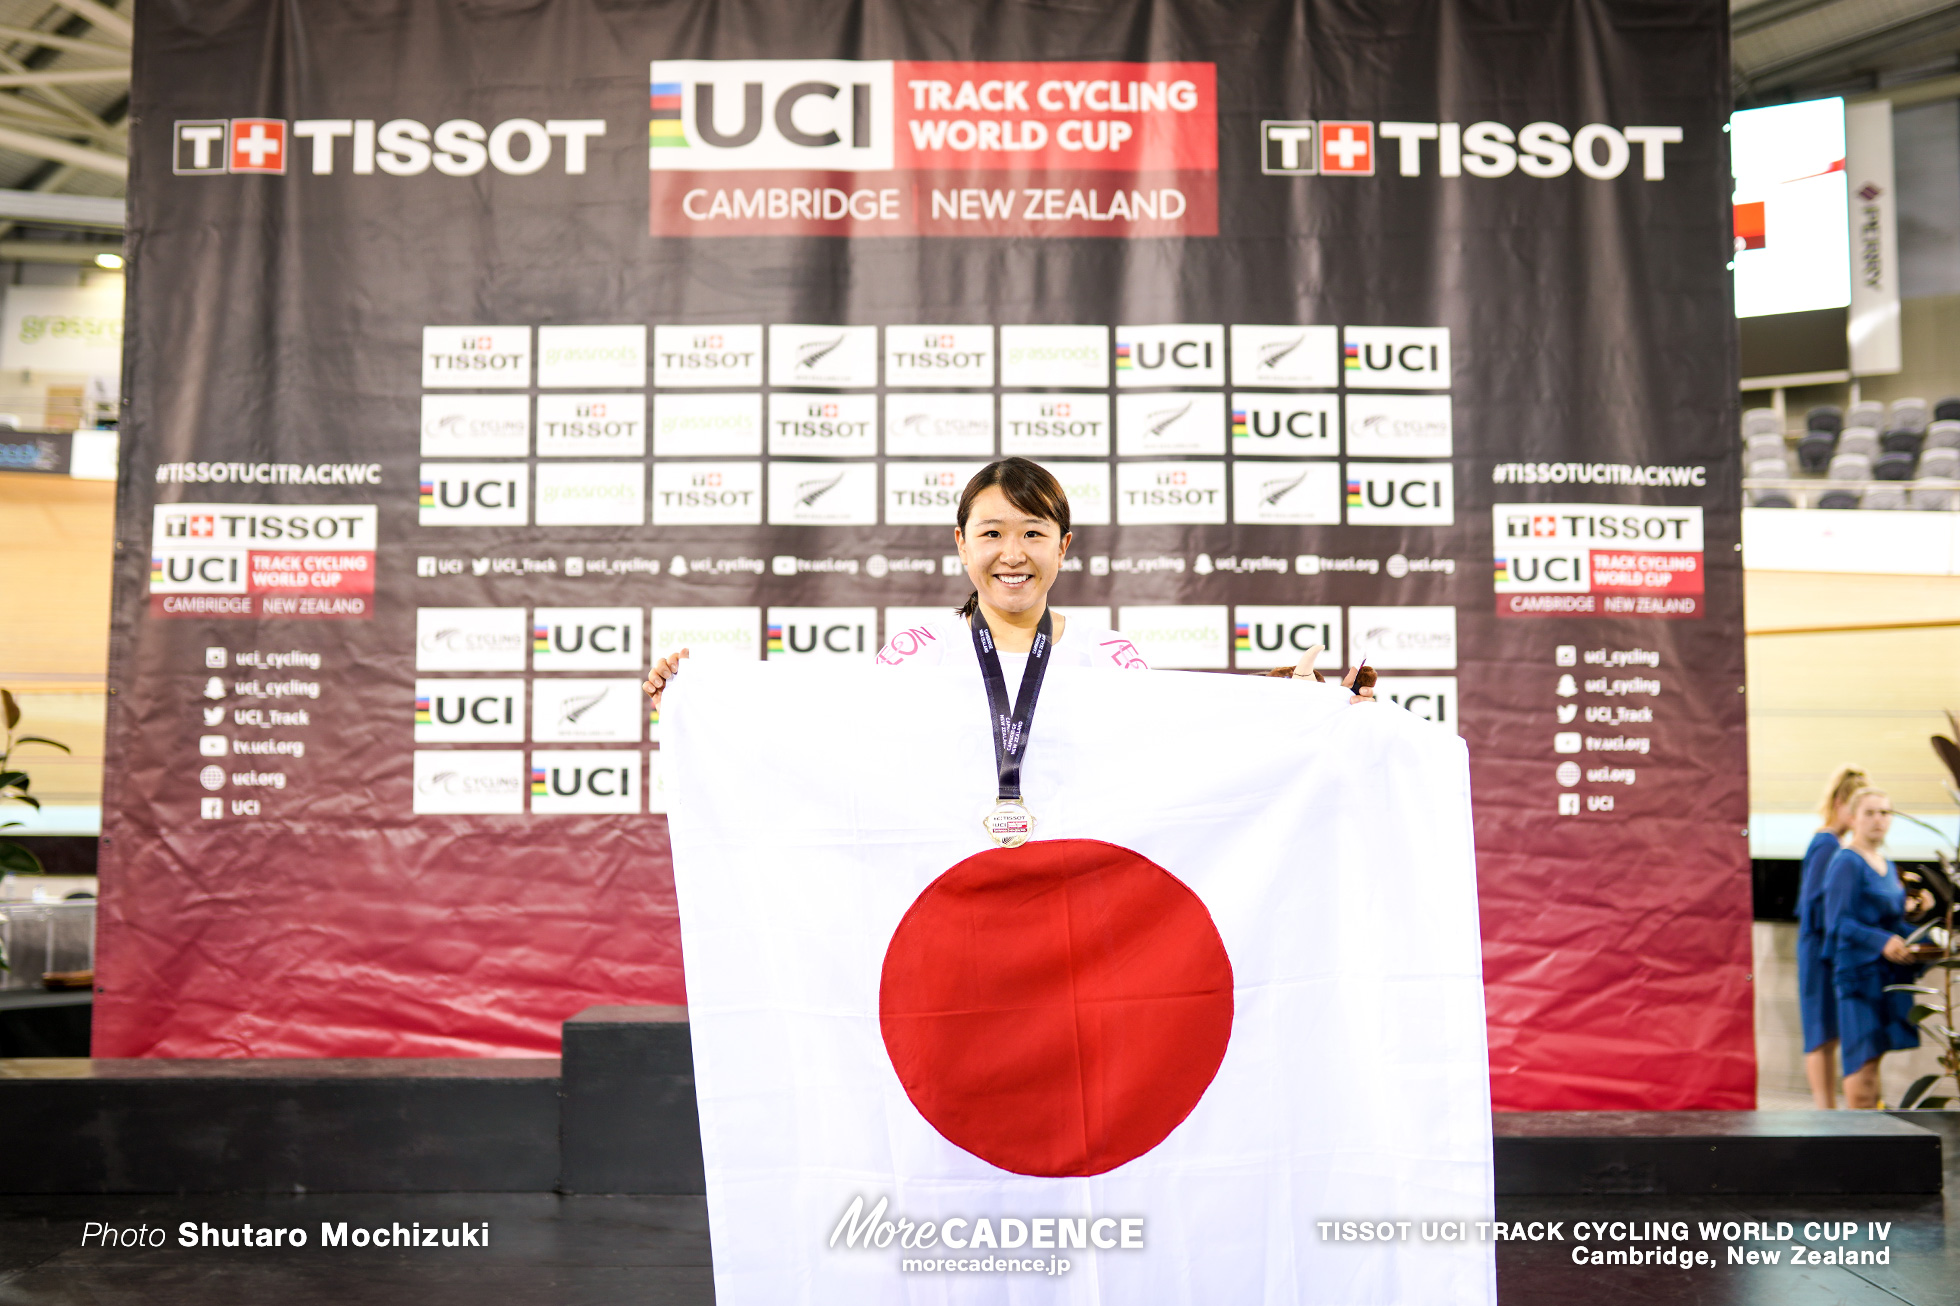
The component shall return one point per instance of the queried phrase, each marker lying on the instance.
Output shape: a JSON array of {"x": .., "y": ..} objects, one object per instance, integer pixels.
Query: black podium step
[{"x": 1685, "y": 1152}]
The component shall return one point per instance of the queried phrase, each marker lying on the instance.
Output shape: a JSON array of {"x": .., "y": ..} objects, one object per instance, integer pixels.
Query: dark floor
[{"x": 610, "y": 1250}]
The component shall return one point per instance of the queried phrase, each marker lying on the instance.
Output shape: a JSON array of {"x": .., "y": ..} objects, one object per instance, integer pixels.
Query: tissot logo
[
  {"x": 1068, "y": 425},
  {"x": 818, "y": 114},
  {"x": 1265, "y": 637},
  {"x": 1452, "y": 149},
  {"x": 1282, "y": 426},
  {"x": 838, "y": 633},
  {"x": 1286, "y": 357},
  {"x": 827, "y": 426},
  {"x": 1347, "y": 149},
  {"x": 1286, "y": 494},
  {"x": 469, "y": 711},
  {"x": 939, "y": 356},
  {"x": 1170, "y": 492},
  {"x": 695, "y": 356},
  {"x": 1170, "y": 423},
  {"x": 707, "y": 494},
  {"x": 587, "y": 639},
  {"x": 1170, "y": 355},
  {"x": 925, "y": 494},
  {"x": 475, "y": 494},
  {"x": 399, "y": 147},
  {"x": 566, "y": 711},
  {"x": 474, "y": 781},
  {"x": 584, "y": 426},
  {"x": 1287, "y": 148},
  {"x": 1601, "y": 526},
  {"x": 1401, "y": 494},
  {"x": 588, "y": 780},
  {"x": 478, "y": 358},
  {"x": 263, "y": 526}
]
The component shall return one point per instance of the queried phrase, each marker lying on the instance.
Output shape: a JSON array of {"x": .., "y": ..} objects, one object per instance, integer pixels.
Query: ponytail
[{"x": 971, "y": 606}]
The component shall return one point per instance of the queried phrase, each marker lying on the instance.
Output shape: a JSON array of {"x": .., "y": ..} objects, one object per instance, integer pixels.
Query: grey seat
[
  {"x": 1910, "y": 414},
  {"x": 1815, "y": 450},
  {"x": 1947, "y": 410},
  {"x": 1870, "y": 413},
  {"x": 1859, "y": 439},
  {"x": 1885, "y": 497},
  {"x": 1900, "y": 440},
  {"x": 1770, "y": 499},
  {"x": 1824, "y": 417},
  {"x": 1937, "y": 494},
  {"x": 1939, "y": 463},
  {"x": 1838, "y": 499},
  {"x": 1850, "y": 467},
  {"x": 1761, "y": 421},
  {"x": 1767, "y": 446},
  {"x": 1894, "y": 467},
  {"x": 1943, "y": 434},
  {"x": 1769, "y": 469}
]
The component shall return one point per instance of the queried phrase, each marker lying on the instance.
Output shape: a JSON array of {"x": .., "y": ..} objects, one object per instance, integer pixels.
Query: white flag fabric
[{"x": 1226, "y": 1006}]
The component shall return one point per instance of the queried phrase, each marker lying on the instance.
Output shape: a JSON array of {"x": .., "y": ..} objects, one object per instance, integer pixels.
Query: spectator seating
[
  {"x": 1937, "y": 493},
  {"x": 1905, "y": 454},
  {"x": 1762, "y": 421},
  {"x": 1893, "y": 466},
  {"x": 1940, "y": 463},
  {"x": 1862, "y": 440}
]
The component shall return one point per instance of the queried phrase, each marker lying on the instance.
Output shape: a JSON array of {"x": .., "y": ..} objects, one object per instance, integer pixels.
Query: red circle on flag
[{"x": 1057, "y": 1008}]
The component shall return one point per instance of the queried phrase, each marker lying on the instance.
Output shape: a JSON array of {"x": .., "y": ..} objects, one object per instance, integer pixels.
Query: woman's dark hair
[{"x": 1028, "y": 486}]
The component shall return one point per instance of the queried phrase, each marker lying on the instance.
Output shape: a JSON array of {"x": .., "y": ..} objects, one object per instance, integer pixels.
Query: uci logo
[
  {"x": 564, "y": 638},
  {"x": 771, "y": 114},
  {"x": 466, "y": 493},
  {"x": 483, "y": 710}
]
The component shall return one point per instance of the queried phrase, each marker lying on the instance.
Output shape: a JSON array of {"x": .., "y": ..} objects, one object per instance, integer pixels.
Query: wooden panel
[{"x": 1868, "y": 697}]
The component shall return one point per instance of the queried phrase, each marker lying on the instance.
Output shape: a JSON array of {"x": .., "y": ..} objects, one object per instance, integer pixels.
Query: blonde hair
[
  {"x": 1860, "y": 794},
  {"x": 1845, "y": 785}
]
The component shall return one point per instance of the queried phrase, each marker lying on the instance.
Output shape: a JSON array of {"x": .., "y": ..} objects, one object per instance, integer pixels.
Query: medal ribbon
[{"x": 1010, "y": 729}]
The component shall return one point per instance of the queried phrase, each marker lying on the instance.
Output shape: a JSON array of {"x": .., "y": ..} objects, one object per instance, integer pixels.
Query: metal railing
[
  {"x": 45, "y": 936},
  {"x": 1804, "y": 492}
]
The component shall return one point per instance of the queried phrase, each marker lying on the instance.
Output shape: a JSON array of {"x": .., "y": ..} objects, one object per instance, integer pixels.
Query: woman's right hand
[
  {"x": 1896, "y": 949},
  {"x": 663, "y": 671}
]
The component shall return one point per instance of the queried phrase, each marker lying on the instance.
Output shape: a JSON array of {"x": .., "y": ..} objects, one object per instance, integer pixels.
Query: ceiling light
[{"x": 110, "y": 261}]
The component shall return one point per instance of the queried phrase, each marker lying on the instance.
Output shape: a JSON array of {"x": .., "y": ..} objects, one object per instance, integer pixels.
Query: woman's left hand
[{"x": 1365, "y": 695}]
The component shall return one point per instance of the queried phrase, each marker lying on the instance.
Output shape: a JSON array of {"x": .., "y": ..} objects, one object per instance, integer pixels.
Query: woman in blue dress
[
  {"x": 1864, "y": 914},
  {"x": 1816, "y": 995}
]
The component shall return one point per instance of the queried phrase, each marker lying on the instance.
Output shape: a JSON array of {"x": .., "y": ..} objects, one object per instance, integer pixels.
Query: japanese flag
[{"x": 1227, "y": 999}]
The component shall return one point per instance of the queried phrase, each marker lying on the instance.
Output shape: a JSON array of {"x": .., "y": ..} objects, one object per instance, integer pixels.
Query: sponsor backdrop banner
[{"x": 456, "y": 397}]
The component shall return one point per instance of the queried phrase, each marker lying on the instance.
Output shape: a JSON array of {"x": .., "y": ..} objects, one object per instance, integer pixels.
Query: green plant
[
  {"x": 1933, "y": 1018},
  {"x": 16, "y": 858}
]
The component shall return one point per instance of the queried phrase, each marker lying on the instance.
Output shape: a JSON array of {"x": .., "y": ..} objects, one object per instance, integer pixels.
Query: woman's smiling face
[{"x": 1011, "y": 557}]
